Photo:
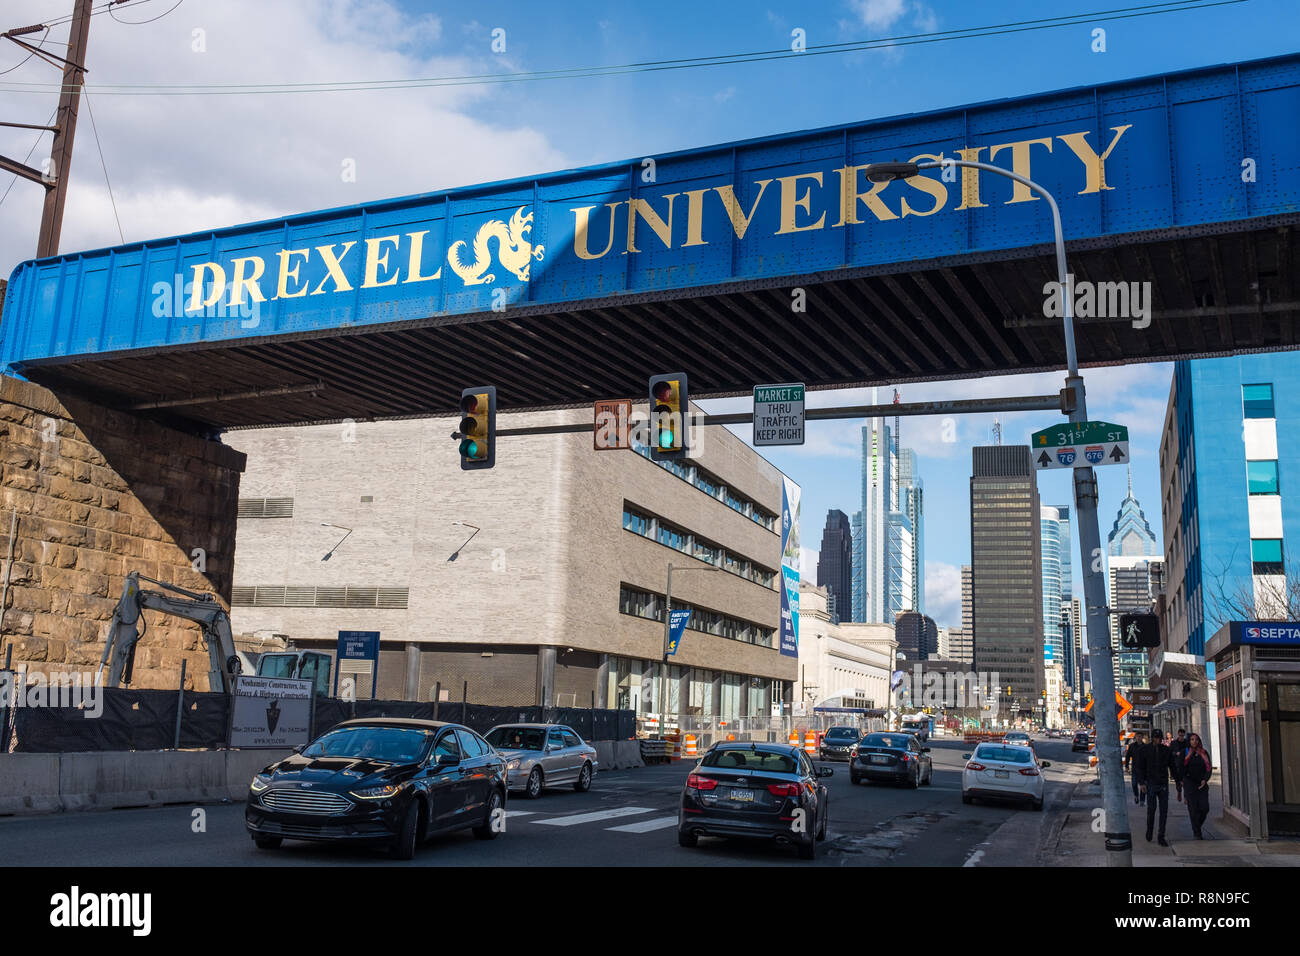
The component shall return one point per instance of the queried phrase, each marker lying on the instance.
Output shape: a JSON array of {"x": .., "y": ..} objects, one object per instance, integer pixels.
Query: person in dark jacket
[
  {"x": 1153, "y": 768},
  {"x": 1179, "y": 748},
  {"x": 1138, "y": 740},
  {"x": 1196, "y": 783}
]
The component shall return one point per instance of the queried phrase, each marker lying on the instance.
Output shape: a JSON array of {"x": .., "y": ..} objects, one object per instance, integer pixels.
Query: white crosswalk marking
[
  {"x": 645, "y": 826},
  {"x": 511, "y": 814},
  {"x": 592, "y": 817}
]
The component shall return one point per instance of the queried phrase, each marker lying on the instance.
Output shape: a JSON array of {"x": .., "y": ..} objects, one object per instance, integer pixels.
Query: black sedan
[
  {"x": 893, "y": 756},
  {"x": 1081, "y": 741},
  {"x": 837, "y": 743},
  {"x": 381, "y": 780},
  {"x": 756, "y": 790}
]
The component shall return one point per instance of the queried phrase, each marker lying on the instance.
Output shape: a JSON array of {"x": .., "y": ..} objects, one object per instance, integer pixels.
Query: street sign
[
  {"x": 778, "y": 415},
  {"x": 1123, "y": 705},
  {"x": 269, "y": 712},
  {"x": 1080, "y": 445},
  {"x": 610, "y": 425}
]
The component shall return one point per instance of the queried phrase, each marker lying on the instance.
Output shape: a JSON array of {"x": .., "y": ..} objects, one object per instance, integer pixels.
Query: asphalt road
[{"x": 627, "y": 819}]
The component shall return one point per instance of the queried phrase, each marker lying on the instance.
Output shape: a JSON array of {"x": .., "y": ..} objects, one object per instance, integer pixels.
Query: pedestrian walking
[
  {"x": 1179, "y": 749},
  {"x": 1196, "y": 783},
  {"x": 1138, "y": 796},
  {"x": 1153, "y": 768}
]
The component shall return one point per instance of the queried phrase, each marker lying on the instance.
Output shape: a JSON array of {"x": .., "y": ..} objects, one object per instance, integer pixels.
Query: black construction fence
[{"x": 146, "y": 720}]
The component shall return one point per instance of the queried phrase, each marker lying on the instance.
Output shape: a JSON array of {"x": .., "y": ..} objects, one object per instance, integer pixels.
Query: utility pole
[{"x": 65, "y": 129}]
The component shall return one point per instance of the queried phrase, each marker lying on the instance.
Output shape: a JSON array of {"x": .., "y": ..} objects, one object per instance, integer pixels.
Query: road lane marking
[
  {"x": 511, "y": 814},
  {"x": 593, "y": 817},
  {"x": 645, "y": 826}
]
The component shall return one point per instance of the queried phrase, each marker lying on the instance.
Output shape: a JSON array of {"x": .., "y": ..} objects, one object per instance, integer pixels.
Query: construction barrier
[
  {"x": 794, "y": 738},
  {"x": 690, "y": 752},
  {"x": 810, "y": 743}
]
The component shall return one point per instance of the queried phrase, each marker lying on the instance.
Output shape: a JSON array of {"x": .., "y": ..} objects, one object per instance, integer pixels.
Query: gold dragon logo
[{"x": 513, "y": 250}]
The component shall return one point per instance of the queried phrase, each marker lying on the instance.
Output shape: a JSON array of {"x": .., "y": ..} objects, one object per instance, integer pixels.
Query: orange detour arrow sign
[{"x": 1123, "y": 705}]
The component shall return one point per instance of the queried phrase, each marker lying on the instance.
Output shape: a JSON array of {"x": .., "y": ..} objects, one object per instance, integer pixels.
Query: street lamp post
[
  {"x": 1119, "y": 841},
  {"x": 663, "y": 673}
]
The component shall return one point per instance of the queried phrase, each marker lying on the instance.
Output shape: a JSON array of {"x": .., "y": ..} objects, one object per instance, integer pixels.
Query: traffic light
[
  {"x": 669, "y": 408},
  {"x": 478, "y": 427}
]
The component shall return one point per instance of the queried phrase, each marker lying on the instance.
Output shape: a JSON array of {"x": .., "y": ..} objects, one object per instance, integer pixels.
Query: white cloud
[
  {"x": 943, "y": 593},
  {"x": 879, "y": 14},
  {"x": 187, "y": 163}
]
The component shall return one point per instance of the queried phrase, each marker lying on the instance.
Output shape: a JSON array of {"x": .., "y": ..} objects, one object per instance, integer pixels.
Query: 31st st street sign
[{"x": 1080, "y": 445}]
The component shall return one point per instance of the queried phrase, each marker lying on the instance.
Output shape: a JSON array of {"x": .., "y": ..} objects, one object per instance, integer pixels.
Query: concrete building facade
[
  {"x": 1006, "y": 573},
  {"x": 841, "y": 665},
  {"x": 540, "y": 580}
]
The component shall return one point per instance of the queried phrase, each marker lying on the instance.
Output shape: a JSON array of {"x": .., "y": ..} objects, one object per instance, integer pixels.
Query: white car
[
  {"x": 1018, "y": 737},
  {"x": 1003, "y": 771}
]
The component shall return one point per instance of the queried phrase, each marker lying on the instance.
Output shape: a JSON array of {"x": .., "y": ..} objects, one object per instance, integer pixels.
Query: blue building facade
[{"x": 1237, "y": 424}]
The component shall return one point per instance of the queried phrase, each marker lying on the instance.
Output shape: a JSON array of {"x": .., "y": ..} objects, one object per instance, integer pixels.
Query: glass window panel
[
  {"x": 1257, "y": 401},
  {"x": 1261, "y": 477}
]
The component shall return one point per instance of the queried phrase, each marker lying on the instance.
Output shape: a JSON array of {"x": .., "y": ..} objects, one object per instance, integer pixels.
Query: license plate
[
  {"x": 879, "y": 758},
  {"x": 1002, "y": 774},
  {"x": 743, "y": 796}
]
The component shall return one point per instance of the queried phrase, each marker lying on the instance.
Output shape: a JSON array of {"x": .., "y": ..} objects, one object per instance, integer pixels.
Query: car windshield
[
  {"x": 517, "y": 738},
  {"x": 842, "y": 733},
  {"x": 749, "y": 760},
  {"x": 388, "y": 744},
  {"x": 1005, "y": 754},
  {"x": 1017, "y": 736},
  {"x": 898, "y": 741}
]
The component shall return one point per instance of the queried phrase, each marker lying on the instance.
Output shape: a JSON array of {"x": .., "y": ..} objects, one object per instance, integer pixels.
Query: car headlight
[
  {"x": 260, "y": 782},
  {"x": 377, "y": 793},
  {"x": 513, "y": 764}
]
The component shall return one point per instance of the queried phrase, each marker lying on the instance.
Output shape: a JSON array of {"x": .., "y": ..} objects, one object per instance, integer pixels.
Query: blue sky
[{"x": 263, "y": 157}]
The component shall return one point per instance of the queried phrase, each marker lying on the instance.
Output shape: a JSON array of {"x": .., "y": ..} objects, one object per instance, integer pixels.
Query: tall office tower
[
  {"x": 960, "y": 647},
  {"x": 1056, "y": 575},
  {"x": 1007, "y": 574},
  {"x": 859, "y": 573},
  {"x": 1080, "y": 623},
  {"x": 1130, "y": 539},
  {"x": 835, "y": 566},
  {"x": 911, "y": 500},
  {"x": 879, "y": 498},
  {"x": 1131, "y": 579},
  {"x": 917, "y": 636},
  {"x": 898, "y": 565},
  {"x": 966, "y": 618}
]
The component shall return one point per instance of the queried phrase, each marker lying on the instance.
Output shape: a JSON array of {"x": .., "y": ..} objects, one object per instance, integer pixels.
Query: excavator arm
[{"x": 203, "y": 609}]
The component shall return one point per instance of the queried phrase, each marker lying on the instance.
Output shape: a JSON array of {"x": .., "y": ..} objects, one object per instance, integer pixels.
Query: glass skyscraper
[{"x": 1131, "y": 549}]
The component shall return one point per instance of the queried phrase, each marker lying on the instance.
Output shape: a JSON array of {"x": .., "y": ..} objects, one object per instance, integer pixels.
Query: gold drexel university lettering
[{"x": 798, "y": 203}]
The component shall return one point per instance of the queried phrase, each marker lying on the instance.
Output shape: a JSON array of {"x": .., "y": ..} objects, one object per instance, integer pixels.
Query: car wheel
[
  {"x": 268, "y": 842},
  {"x": 916, "y": 779},
  {"x": 854, "y": 779},
  {"x": 485, "y": 831},
  {"x": 1036, "y": 804},
  {"x": 583, "y": 783},
  {"x": 688, "y": 838},
  {"x": 967, "y": 798},
  {"x": 929, "y": 775},
  {"x": 808, "y": 851},
  {"x": 404, "y": 845},
  {"x": 534, "y": 786},
  {"x": 822, "y": 818}
]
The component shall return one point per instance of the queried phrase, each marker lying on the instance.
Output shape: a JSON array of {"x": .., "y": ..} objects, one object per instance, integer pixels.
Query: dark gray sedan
[
  {"x": 893, "y": 756},
  {"x": 544, "y": 755}
]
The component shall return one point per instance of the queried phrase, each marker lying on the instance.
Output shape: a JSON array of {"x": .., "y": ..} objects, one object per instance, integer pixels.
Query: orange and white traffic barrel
[
  {"x": 810, "y": 744},
  {"x": 690, "y": 747},
  {"x": 794, "y": 738}
]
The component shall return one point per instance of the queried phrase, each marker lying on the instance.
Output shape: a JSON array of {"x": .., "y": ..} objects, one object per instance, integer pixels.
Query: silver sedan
[{"x": 543, "y": 755}]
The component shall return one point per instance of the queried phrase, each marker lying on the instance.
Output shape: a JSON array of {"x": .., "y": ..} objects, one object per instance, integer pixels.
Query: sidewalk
[{"x": 1225, "y": 843}]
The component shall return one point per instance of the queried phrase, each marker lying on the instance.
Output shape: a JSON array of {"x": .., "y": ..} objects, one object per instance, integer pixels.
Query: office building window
[
  {"x": 1266, "y": 555},
  {"x": 1261, "y": 477},
  {"x": 1257, "y": 401},
  {"x": 635, "y": 521}
]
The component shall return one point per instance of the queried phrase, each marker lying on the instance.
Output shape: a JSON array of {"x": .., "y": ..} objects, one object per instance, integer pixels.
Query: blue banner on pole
[{"x": 676, "y": 625}]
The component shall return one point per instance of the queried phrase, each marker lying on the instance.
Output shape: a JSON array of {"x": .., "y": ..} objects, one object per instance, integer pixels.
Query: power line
[
  {"x": 85, "y": 90},
  {"x": 136, "y": 23},
  {"x": 1003, "y": 29},
  {"x": 36, "y": 142},
  {"x": 29, "y": 55}
]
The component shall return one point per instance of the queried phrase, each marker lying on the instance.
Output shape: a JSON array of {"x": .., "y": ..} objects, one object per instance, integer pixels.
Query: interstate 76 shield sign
[{"x": 1080, "y": 445}]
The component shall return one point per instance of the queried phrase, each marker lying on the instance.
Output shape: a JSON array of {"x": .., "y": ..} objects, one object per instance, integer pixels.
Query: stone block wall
[{"x": 99, "y": 493}]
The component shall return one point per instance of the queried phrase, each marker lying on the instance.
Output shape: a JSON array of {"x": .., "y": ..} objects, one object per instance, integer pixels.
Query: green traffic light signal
[
  {"x": 669, "y": 406},
  {"x": 478, "y": 427}
]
